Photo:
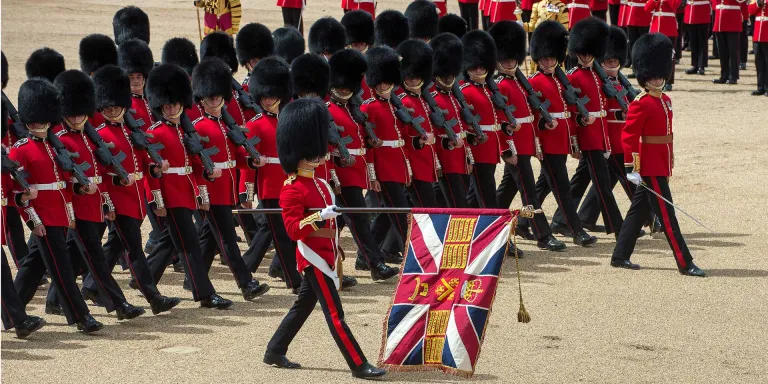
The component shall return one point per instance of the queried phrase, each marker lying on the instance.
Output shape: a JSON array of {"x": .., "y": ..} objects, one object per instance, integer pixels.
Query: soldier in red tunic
[
  {"x": 469, "y": 10},
  {"x": 302, "y": 139},
  {"x": 130, "y": 23},
  {"x": 367, "y": 6},
  {"x": 359, "y": 28},
  {"x": 599, "y": 9},
  {"x": 96, "y": 51},
  {"x": 503, "y": 10},
  {"x": 649, "y": 156},
  {"x": 292, "y": 13},
  {"x": 638, "y": 22},
  {"x": 422, "y": 18},
  {"x": 759, "y": 9},
  {"x": 390, "y": 29},
  {"x": 664, "y": 21},
  {"x": 727, "y": 28},
  {"x": 697, "y": 20}
]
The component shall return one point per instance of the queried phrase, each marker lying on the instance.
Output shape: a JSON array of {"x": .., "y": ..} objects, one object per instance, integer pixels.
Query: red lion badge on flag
[{"x": 442, "y": 304}]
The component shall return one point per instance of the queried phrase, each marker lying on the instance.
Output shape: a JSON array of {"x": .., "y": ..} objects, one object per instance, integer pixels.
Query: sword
[{"x": 677, "y": 207}]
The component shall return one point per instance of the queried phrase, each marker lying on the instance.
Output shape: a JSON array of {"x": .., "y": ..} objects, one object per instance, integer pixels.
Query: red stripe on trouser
[
  {"x": 668, "y": 225},
  {"x": 56, "y": 265},
  {"x": 520, "y": 177},
  {"x": 335, "y": 320},
  {"x": 93, "y": 270},
  {"x": 8, "y": 313},
  {"x": 221, "y": 244},
  {"x": 354, "y": 233},
  {"x": 128, "y": 261},
  {"x": 600, "y": 192},
  {"x": 557, "y": 196},
  {"x": 184, "y": 249},
  {"x": 418, "y": 196},
  {"x": 280, "y": 255},
  {"x": 384, "y": 190}
]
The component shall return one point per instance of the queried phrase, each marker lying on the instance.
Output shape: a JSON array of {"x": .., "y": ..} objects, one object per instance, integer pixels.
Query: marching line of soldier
[{"x": 396, "y": 112}]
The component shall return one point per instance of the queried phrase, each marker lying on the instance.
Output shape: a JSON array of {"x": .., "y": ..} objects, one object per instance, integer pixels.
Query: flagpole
[{"x": 526, "y": 211}]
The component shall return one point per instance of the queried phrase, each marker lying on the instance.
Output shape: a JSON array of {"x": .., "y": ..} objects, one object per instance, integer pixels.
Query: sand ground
[{"x": 591, "y": 323}]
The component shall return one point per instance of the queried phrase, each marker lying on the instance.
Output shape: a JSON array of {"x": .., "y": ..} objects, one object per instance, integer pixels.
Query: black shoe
[
  {"x": 583, "y": 239},
  {"x": 88, "y": 324},
  {"x": 668, "y": 87},
  {"x": 693, "y": 270},
  {"x": 691, "y": 71},
  {"x": 186, "y": 285},
  {"x": 348, "y": 282},
  {"x": 215, "y": 301},
  {"x": 178, "y": 267},
  {"x": 361, "y": 264},
  {"x": 392, "y": 258},
  {"x": 656, "y": 226},
  {"x": 368, "y": 371},
  {"x": 719, "y": 81},
  {"x": 560, "y": 229},
  {"x": 162, "y": 304},
  {"x": 279, "y": 361},
  {"x": 239, "y": 239},
  {"x": 43, "y": 281},
  {"x": 759, "y": 92},
  {"x": 731, "y": 82},
  {"x": 254, "y": 290},
  {"x": 128, "y": 311},
  {"x": 639, "y": 234},
  {"x": 133, "y": 284},
  {"x": 512, "y": 249},
  {"x": 551, "y": 244},
  {"x": 714, "y": 57},
  {"x": 743, "y": 66},
  {"x": 91, "y": 295},
  {"x": 701, "y": 71},
  {"x": 28, "y": 326},
  {"x": 382, "y": 271},
  {"x": 593, "y": 227},
  {"x": 275, "y": 273},
  {"x": 524, "y": 232},
  {"x": 53, "y": 309},
  {"x": 626, "y": 264}
]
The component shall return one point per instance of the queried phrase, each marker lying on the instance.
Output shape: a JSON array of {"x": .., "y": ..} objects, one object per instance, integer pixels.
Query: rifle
[
  {"x": 194, "y": 143},
  {"x": 500, "y": 101},
  {"x": 608, "y": 88},
  {"x": 362, "y": 118},
  {"x": 467, "y": 116},
  {"x": 335, "y": 139},
  {"x": 237, "y": 135},
  {"x": 437, "y": 116},
  {"x": 17, "y": 128},
  {"x": 571, "y": 94},
  {"x": 65, "y": 160},
  {"x": 140, "y": 139},
  {"x": 404, "y": 115},
  {"x": 631, "y": 91},
  {"x": 245, "y": 98},
  {"x": 103, "y": 154},
  {"x": 534, "y": 97},
  {"x": 11, "y": 166}
]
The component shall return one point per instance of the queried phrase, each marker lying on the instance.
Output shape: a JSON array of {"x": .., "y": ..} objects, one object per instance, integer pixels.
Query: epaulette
[
  {"x": 20, "y": 142},
  {"x": 256, "y": 117},
  {"x": 433, "y": 93},
  {"x": 464, "y": 85},
  {"x": 61, "y": 133},
  {"x": 534, "y": 75},
  {"x": 401, "y": 96},
  {"x": 327, "y": 103},
  {"x": 197, "y": 120},
  {"x": 154, "y": 125},
  {"x": 290, "y": 179},
  {"x": 100, "y": 127},
  {"x": 499, "y": 79},
  {"x": 371, "y": 100},
  {"x": 640, "y": 95},
  {"x": 572, "y": 70}
]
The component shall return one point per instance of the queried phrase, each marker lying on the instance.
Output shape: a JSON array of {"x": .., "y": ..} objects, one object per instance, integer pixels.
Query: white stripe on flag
[
  {"x": 405, "y": 325},
  {"x": 479, "y": 263},
  {"x": 431, "y": 239},
  {"x": 458, "y": 350}
]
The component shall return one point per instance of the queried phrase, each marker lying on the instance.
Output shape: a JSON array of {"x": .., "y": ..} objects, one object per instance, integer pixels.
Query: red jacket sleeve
[
  {"x": 633, "y": 129},
  {"x": 292, "y": 202}
]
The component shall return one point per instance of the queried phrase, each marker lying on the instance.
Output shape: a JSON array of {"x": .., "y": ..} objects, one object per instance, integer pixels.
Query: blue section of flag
[
  {"x": 482, "y": 223},
  {"x": 411, "y": 264},
  {"x": 440, "y": 223},
  {"x": 478, "y": 317},
  {"x": 417, "y": 356},
  {"x": 494, "y": 263},
  {"x": 396, "y": 315},
  {"x": 447, "y": 355}
]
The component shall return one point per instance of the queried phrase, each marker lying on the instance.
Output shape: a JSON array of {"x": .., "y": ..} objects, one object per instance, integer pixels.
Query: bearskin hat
[
  {"x": 96, "y": 51},
  {"x": 39, "y": 102},
  {"x": 130, "y": 23},
  {"x": 212, "y": 77},
  {"x": 169, "y": 84},
  {"x": 113, "y": 88},
  {"x": 45, "y": 63},
  {"x": 510, "y": 39},
  {"x": 549, "y": 39},
  {"x": 302, "y": 132},
  {"x": 390, "y": 28},
  {"x": 289, "y": 43},
  {"x": 479, "y": 51},
  {"x": 134, "y": 56},
  {"x": 254, "y": 41},
  {"x": 652, "y": 57},
  {"x": 452, "y": 23},
  {"x": 327, "y": 36},
  {"x": 182, "y": 52},
  {"x": 221, "y": 45},
  {"x": 78, "y": 95},
  {"x": 447, "y": 56},
  {"x": 359, "y": 27},
  {"x": 271, "y": 77},
  {"x": 311, "y": 74},
  {"x": 348, "y": 68},
  {"x": 416, "y": 60},
  {"x": 383, "y": 66},
  {"x": 5, "y": 70},
  {"x": 617, "y": 45},
  {"x": 422, "y": 18},
  {"x": 588, "y": 37}
]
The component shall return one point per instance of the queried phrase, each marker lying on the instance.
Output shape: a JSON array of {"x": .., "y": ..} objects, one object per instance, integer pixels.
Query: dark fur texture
[
  {"x": 96, "y": 51},
  {"x": 134, "y": 56},
  {"x": 39, "y": 102},
  {"x": 510, "y": 39},
  {"x": 168, "y": 84},
  {"x": 447, "y": 55},
  {"x": 452, "y": 23},
  {"x": 271, "y": 78},
  {"x": 652, "y": 57},
  {"x": 113, "y": 88},
  {"x": 78, "y": 95},
  {"x": 221, "y": 45},
  {"x": 311, "y": 74},
  {"x": 479, "y": 51},
  {"x": 383, "y": 66},
  {"x": 45, "y": 63},
  {"x": 302, "y": 132},
  {"x": 617, "y": 46},
  {"x": 359, "y": 27},
  {"x": 589, "y": 37},
  {"x": 5, "y": 70},
  {"x": 327, "y": 36},
  {"x": 289, "y": 43},
  {"x": 182, "y": 52},
  {"x": 416, "y": 60},
  {"x": 549, "y": 39},
  {"x": 130, "y": 23},
  {"x": 390, "y": 28},
  {"x": 254, "y": 41},
  {"x": 422, "y": 19},
  {"x": 348, "y": 68},
  {"x": 212, "y": 77}
]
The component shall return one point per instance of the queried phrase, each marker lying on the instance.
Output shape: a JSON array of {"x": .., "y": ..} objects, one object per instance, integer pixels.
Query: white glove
[
  {"x": 635, "y": 178},
  {"x": 329, "y": 212}
]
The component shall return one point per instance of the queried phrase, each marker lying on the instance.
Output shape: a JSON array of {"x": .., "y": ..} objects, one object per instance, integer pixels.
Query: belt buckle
[
  {"x": 138, "y": 175},
  {"x": 97, "y": 179},
  {"x": 61, "y": 185},
  {"x": 362, "y": 151},
  {"x": 187, "y": 170},
  {"x": 400, "y": 143}
]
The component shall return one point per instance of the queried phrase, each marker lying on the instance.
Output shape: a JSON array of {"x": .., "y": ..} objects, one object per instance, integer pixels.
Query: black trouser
[
  {"x": 157, "y": 228},
  {"x": 697, "y": 35},
  {"x": 218, "y": 236},
  {"x": 728, "y": 46},
  {"x": 13, "y": 308},
  {"x": 180, "y": 233},
  {"x": 634, "y": 33},
  {"x": 292, "y": 18},
  {"x": 520, "y": 178},
  {"x": 482, "y": 189},
  {"x": 614, "y": 13},
  {"x": 590, "y": 206},
  {"x": 113, "y": 248},
  {"x": 680, "y": 35},
  {"x": 422, "y": 194},
  {"x": 273, "y": 230},
  {"x": 454, "y": 189},
  {"x": 317, "y": 287},
  {"x": 392, "y": 195},
  {"x": 52, "y": 254},
  {"x": 261, "y": 238},
  {"x": 602, "y": 15},
  {"x": 761, "y": 62},
  {"x": 554, "y": 177},
  {"x": 526, "y": 17},
  {"x": 593, "y": 167},
  {"x": 360, "y": 225},
  {"x": 743, "y": 43},
  {"x": 642, "y": 203},
  {"x": 393, "y": 242},
  {"x": 671, "y": 79},
  {"x": 469, "y": 13},
  {"x": 249, "y": 223},
  {"x": 14, "y": 233}
]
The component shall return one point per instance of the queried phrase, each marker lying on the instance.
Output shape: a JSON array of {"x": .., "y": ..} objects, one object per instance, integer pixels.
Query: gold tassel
[{"x": 522, "y": 315}]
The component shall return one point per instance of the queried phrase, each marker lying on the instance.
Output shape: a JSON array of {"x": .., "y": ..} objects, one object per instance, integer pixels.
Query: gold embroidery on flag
[
  {"x": 457, "y": 241},
  {"x": 436, "y": 326}
]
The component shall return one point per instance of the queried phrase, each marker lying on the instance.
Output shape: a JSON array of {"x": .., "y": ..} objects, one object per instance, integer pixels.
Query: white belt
[
  {"x": 671, "y": 14},
  {"x": 615, "y": 121},
  {"x": 365, "y": 1},
  {"x": 600, "y": 113},
  {"x": 623, "y": 2},
  {"x": 490, "y": 128},
  {"x": 271, "y": 160},
  {"x": 495, "y": 1},
  {"x": 357, "y": 151},
  {"x": 226, "y": 164},
  {"x": 181, "y": 171},
  {"x": 574, "y": 5},
  {"x": 92, "y": 179},
  {"x": 523, "y": 120},
  {"x": 761, "y": 18},
  {"x": 631, "y": 4},
  {"x": 733, "y": 7},
  {"x": 699, "y": 2},
  {"x": 560, "y": 115},
  {"x": 56, "y": 186},
  {"x": 393, "y": 143}
]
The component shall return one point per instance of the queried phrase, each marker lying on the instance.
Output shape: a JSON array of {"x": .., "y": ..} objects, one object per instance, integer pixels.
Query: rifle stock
[
  {"x": 237, "y": 135},
  {"x": 571, "y": 94},
  {"x": 194, "y": 144},
  {"x": 500, "y": 101},
  {"x": 402, "y": 114},
  {"x": 437, "y": 116},
  {"x": 631, "y": 91},
  {"x": 361, "y": 118},
  {"x": 103, "y": 154},
  {"x": 12, "y": 167},
  {"x": 466, "y": 114},
  {"x": 534, "y": 97},
  {"x": 608, "y": 88},
  {"x": 66, "y": 161},
  {"x": 140, "y": 139}
]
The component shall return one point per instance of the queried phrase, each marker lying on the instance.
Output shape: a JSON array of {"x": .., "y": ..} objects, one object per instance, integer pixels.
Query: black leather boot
[
  {"x": 216, "y": 301},
  {"x": 382, "y": 271},
  {"x": 28, "y": 326},
  {"x": 368, "y": 371},
  {"x": 128, "y": 311},
  {"x": 162, "y": 304},
  {"x": 279, "y": 361},
  {"x": 253, "y": 290},
  {"x": 88, "y": 324}
]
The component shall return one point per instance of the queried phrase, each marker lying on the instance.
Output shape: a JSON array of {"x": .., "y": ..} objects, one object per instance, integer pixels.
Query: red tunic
[
  {"x": 728, "y": 16},
  {"x": 697, "y": 12},
  {"x": 556, "y": 141},
  {"x": 452, "y": 160},
  {"x": 649, "y": 116},
  {"x": 479, "y": 97},
  {"x": 422, "y": 159},
  {"x": 223, "y": 190},
  {"x": 503, "y": 10},
  {"x": 623, "y": 13},
  {"x": 390, "y": 159},
  {"x": 291, "y": 3},
  {"x": 599, "y": 5},
  {"x": 367, "y": 92},
  {"x": 525, "y": 138},
  {"x": 760, "y": 34},
  {"x": 270, "y": 177},
  {"x": 615, "y": 120},
  {"x": 526, "y": 5},
  {"x": 577, "y": 11},
  {"x": 663, "y": 17},
  {"x": 442, "y": 8},
  {"x": 7, "y": 199},
  {"x": 355, "y": 175},
  {"x": 485, "y": 7},
  {"x": 469, "y": 1},
  {"x": 594, "y": 136},
  {"x": 178, "y": 185},
  {"x": 365, "y": 5},
  {"x": 87, "y": 207},
  {"x": 97, "y": 119},
  {"x": 140, "y": 105},
  {"x": 637, "y": 16}
]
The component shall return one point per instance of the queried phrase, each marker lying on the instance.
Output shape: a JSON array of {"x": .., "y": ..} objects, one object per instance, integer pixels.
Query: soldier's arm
[
  {"x": 298, "y": 224},
  {"x": 630, "y": 136}
]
